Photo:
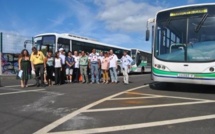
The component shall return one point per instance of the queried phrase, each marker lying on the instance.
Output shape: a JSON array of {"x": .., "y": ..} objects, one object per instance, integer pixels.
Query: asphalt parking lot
[{"x": 139, "y": 108}]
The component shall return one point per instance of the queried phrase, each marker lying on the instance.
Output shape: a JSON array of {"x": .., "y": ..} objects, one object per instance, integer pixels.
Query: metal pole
[
  {"x": 1, "y": 43},
  {"x": 0, "y": 68},
  {"x": 0, "y": 63}
]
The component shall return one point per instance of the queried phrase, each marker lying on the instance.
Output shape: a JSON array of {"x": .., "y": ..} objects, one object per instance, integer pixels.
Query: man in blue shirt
[{"x": 70, "y": 61}]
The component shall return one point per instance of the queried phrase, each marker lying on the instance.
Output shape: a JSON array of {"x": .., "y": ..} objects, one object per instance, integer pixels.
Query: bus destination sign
[{"x": 189, "y": 12}]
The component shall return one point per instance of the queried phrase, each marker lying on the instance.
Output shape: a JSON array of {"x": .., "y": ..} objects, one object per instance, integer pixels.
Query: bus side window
[
  {"x": 64, "y": 43},
  {"x": 138, "y": 58}
]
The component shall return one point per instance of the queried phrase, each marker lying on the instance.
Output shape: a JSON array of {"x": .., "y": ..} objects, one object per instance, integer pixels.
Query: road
[{"x": 142, "y": 107}]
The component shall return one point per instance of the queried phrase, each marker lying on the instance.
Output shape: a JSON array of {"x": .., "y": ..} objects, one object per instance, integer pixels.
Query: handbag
[{"x": 19, "y": 74}]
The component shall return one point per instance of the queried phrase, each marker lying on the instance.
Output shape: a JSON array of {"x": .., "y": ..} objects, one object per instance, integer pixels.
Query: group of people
[{"x": 68, "y": 68}]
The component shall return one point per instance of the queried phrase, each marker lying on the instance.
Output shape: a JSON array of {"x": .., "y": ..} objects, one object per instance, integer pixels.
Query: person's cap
[{"x": 61, "y": 49}]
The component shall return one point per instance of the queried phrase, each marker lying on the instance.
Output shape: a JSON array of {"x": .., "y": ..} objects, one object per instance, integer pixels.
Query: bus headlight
[
  {"x": 211, "y": 69},
  {"x": 160, "y": 66}
]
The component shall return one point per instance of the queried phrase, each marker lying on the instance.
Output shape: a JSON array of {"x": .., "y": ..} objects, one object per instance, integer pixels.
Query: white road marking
[
  {"x": 137, "y": 93},
  {"x": 137, "y": 126},
  {"x": 53, "y": 125},
  {"x": 149, "y": 106},
  {"x": 133, "y": 98},
  {"x": 19, "y": 92},
  {"x": 84, "y": 109},
  {"x": 175, "y": 97}
]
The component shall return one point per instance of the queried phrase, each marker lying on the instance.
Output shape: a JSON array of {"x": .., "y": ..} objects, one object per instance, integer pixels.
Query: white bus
[
  {"x": 53, "y": 41},
  {"x": 141, "y": 61},
  {"x": 183, "y": 44}
]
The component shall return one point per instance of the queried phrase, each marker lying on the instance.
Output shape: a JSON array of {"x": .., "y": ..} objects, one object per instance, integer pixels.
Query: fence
[{"x": 10, "y": 47}]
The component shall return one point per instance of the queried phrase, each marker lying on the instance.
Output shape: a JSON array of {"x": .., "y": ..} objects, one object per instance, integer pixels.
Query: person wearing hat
[
  {"x": 38, "y": 65},
  {"x": 63, "y": 71}
]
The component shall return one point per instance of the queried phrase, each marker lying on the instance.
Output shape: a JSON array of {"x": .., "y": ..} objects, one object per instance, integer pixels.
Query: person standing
[
  {"x": 101, "y": 57},
  {"x": 83, "y": 67},
  {"x": 94, "y": 64},
  {"x": 70, "y": 61},
  {"x": 63, "y": 70},
  {"x": 49, "y": 67},
  {"x": 38, "y": 64},
  {"x": 25, "y": 66},
  {"x": 113, "y": 67},
  {"x": 58, "y": 69},
  {"x": 126, "y": 65},
  {"x": 76, "y": 67},
  {"x": 105, "y": 67}
]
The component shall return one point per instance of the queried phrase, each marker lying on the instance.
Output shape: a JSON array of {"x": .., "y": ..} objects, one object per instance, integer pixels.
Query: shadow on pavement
[{"x": 179, "y": 87}]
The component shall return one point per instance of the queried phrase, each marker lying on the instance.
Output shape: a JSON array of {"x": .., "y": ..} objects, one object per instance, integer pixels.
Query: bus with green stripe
[
  {"x": 183, "y": 44},
  {"x": 141, "y": 61}
]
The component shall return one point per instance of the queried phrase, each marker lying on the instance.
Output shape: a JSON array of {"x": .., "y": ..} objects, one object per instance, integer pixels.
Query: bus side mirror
[{"x": 147, "y": 34}]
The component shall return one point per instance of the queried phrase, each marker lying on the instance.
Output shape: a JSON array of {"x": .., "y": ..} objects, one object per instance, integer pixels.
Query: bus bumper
[{"x": 201, "y": 81}]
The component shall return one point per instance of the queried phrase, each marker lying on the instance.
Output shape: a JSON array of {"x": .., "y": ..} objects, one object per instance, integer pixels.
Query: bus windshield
[
  {"x": 45, "y": 43},
  {"x": 133, "y": 55},
  {"x": 186, "y": 35}
]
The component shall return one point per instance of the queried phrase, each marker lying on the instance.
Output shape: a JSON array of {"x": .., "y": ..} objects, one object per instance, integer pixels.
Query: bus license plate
[{"x": 186, "y": 75}]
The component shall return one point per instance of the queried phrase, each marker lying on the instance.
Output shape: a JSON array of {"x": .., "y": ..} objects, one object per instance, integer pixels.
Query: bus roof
[
  {"x": 82, "y": 39},
  {"x": 191, "y": 5}
]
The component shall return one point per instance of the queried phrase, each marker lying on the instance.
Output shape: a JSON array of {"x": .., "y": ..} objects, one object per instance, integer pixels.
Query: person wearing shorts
[{"x": 70, "y": 61}]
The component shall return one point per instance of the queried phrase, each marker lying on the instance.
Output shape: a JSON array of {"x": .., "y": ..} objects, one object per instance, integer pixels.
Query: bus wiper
[{"x": 199, "y": 26}]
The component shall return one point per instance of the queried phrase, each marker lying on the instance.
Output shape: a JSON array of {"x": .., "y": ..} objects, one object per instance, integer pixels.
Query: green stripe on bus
[
  {"x": 142, "y": 64},
  {"x": 197, "y": 75},
  {"x": 133, "y": 68}
]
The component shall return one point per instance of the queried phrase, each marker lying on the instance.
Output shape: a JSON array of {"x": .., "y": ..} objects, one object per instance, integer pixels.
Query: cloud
[
  {"x": 117, "y": 39},
  {"x": 80, "y": 19},
  {"x": 108, "y": 21},
  {"x": 126, "y": 16}
]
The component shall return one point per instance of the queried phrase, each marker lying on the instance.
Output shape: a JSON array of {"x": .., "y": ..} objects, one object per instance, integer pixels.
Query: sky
[{"x": 115, "y": 22}]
